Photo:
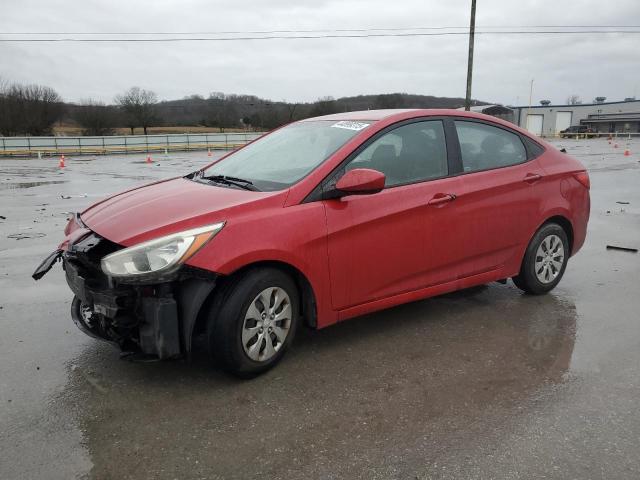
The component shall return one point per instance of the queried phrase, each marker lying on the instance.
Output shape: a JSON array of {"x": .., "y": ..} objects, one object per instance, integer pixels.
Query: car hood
[{"x": 167, "y": 207}]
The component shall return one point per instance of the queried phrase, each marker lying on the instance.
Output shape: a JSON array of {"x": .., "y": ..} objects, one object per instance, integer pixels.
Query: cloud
[{"x": 304, "y": 70}]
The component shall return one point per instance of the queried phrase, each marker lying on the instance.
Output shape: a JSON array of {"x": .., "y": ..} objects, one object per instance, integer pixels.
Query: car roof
[
  {"x": 364, "y": 114},
  {"x": 375, "y": 115},
  {"x": 390, "y": 116}
]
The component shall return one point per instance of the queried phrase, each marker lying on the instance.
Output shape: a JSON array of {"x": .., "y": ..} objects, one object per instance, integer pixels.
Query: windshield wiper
[{"x": 238, "y": 182}]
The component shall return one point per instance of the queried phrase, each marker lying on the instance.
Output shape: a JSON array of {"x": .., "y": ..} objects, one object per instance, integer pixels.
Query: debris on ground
[
  {"x": 623, "y": 203},
  {"x": 67, "y": 197},
  {"x": 2, "y": 217},
  {"x": 623, "y": 249}
]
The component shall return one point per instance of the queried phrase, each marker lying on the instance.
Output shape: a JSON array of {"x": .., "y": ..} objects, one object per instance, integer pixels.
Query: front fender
[{"x": 296, "y": 236}]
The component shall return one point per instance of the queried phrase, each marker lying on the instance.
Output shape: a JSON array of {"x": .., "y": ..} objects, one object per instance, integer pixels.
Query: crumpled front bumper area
[{"x": 156, "y": 319}]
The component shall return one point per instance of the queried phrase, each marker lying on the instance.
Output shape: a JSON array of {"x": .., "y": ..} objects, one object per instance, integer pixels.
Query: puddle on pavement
[
  {"x": 34, "y": 172},
  {"x": 25, "y": 236},
  {"x": 142, "y": 178},
  {"x": 16, "y": 186},
  {"x": 482, "y": 353}
]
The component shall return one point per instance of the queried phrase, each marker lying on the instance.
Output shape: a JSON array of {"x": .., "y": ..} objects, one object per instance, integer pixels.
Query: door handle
[
  {"x": 441, "y": 198},
  {"x": 531, "y": 178}
]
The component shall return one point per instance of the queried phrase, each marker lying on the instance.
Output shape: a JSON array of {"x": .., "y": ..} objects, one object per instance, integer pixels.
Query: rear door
[
  {"x": 563, "y": 121},
  {"x": 499, "y": 198},
  {"x": 535, "y": 123},
  {"x": 400, "y": 239}
]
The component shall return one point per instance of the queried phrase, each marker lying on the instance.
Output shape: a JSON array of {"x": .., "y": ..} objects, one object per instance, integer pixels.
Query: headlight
[{"x": 162, "y": 255}]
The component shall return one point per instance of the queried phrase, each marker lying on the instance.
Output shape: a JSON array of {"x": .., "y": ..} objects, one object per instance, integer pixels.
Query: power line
[
  {"x": 310, "y": 37},
  {"x": 328, "y": 30}
]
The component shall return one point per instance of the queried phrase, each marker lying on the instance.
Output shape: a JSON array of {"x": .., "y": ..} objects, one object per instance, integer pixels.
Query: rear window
[{"x": 484, "y": 147}]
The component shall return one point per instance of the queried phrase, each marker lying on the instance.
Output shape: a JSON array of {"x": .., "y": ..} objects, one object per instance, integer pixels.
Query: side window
[
  {"x": 484, "y": 147},
  {"x": 408, "y": 154}
]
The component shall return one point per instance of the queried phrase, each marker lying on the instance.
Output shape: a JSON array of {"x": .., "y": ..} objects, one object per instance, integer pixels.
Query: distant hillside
[
  {"x": 235, "y": 110},
  {"x": 39, "y": 110},
  {"x": 401, "y": 100}
]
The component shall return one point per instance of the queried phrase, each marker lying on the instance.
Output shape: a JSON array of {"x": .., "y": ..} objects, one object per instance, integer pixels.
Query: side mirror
[{"x": 360, "y": 181}]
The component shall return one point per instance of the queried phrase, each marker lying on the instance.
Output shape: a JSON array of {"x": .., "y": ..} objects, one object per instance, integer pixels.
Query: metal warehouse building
[{"x": 609, "y": 117}]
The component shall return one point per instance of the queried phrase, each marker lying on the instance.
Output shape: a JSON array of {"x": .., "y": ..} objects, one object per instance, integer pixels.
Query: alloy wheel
[
  {"x": 549, "y": 259},
  {"x": 266, "y": 324}
]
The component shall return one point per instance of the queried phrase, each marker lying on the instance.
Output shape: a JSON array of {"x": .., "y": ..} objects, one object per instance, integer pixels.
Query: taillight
[{"x": 583, "y": 178}]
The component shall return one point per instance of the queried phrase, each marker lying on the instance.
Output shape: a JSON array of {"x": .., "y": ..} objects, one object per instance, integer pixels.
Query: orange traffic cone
[
  {"x": 209, "y": 153},
  {"x": 627, "y": 152},
  {"x": 61, "y": 162},
  {"x": 149, "y": 159}
]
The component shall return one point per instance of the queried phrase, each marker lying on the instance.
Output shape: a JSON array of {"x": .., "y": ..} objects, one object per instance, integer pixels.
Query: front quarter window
[{"x": 284, "y": 157}]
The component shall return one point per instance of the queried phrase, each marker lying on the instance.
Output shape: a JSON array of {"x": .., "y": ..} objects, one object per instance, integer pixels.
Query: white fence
[{"x": 32, "y": 146}]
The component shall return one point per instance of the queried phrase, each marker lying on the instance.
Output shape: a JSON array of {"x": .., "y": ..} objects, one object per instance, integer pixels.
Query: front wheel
[
  {"x": 255, "y": 322},
  {"x": 544, "y": 261}
]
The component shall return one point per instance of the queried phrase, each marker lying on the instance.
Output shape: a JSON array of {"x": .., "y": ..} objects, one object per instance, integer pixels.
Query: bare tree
[
  {"x": 139, "y": 106},
  {"x": 573, "y": 100},
  {"x": 4, "y": 107},
  {"x": 389, "y": 100},
  {"x": 222, "y": 111},
  {"x": 96, "y": 118},
  {"x": 291, "y": 109},
  {"x": 28, "y": 109},
  {"x": 324, "y": 106}
]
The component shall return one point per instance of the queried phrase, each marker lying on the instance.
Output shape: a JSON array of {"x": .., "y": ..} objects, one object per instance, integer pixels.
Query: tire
[
  {"x": 240, "y": 312},
  {"x": 540, "y": 273}
]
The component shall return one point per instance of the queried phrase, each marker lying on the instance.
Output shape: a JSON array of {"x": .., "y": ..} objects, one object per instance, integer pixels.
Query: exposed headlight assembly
[
  {"x": 160, "y": 256},
  {"x": 74, "y": 222}
]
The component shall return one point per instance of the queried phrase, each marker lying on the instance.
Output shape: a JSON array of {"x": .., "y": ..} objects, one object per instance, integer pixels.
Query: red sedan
[{"x": 320, "y": 221}]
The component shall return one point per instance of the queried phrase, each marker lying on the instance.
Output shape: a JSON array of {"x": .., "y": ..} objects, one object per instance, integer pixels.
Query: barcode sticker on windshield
[{"x": 351, "y": 125}]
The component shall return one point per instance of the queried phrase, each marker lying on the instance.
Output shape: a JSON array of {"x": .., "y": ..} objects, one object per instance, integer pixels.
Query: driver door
[{"x": 402, "y": 238}]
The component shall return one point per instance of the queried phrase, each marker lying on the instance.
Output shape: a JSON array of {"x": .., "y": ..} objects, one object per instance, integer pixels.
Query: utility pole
[
  {"x": 472, "y": 33},
  {"x": 529, "y": 109}
]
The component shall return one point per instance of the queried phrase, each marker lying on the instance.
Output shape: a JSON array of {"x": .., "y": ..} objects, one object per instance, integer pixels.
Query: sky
[{"x": 305, "y": 69}]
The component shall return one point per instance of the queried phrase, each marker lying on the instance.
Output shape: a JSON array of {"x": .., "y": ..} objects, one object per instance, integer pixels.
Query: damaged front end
[{"x": 153, "y": 316}]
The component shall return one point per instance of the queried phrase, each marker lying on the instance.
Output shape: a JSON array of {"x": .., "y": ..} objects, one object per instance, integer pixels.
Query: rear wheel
[
  {"x": 544, "y": 261},
  {"x": 255, "y": 321}
]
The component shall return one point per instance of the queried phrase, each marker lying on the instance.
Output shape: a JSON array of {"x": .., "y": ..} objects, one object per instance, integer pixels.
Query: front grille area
[{"x": 141, "y": 318}]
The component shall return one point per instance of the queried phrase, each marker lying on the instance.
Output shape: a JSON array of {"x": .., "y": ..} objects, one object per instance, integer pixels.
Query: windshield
[{"x": 280, "y": 159}]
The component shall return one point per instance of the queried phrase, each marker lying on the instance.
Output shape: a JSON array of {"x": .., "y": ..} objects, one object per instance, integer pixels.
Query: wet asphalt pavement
[{"x": 484, "y": 383}]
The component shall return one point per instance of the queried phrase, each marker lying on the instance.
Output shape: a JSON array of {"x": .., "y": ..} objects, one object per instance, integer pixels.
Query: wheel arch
[{"x": 216, "y": 298}]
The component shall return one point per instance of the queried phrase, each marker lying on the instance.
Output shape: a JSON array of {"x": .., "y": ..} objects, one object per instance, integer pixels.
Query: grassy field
[{"x": 74, "y": 131}]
